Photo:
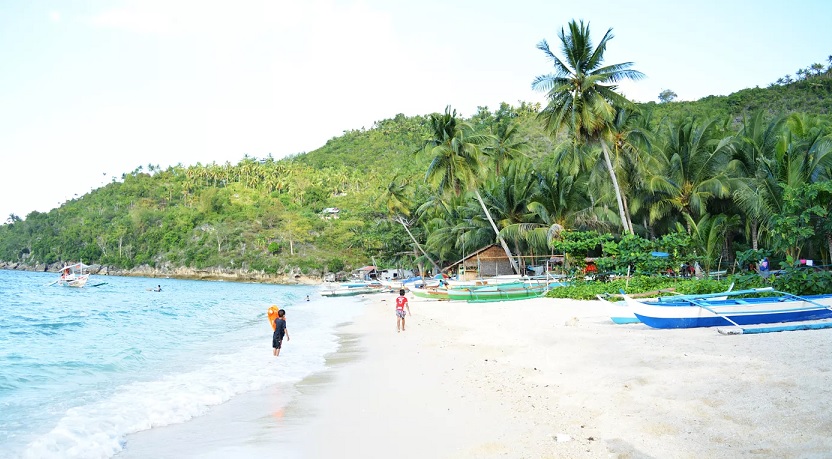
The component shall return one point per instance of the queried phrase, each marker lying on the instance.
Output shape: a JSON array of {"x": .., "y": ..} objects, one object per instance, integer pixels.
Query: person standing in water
[
  {"x": 279, "y": 331},
  {"x": 401, "y": 303}
]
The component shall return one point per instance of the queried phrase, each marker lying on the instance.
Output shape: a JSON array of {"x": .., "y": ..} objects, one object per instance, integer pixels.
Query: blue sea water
[{"x": 80, "y": 369}]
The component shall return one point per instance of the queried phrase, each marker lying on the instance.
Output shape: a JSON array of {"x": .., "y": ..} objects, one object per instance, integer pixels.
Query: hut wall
[{"x": 488, "y": 263}]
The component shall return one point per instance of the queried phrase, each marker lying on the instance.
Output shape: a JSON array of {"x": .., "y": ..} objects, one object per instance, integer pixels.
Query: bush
[
  {"x": 588, "y": 290},
  {"x": 803, "y": 281},
  {"x": 335, "y": 265}
]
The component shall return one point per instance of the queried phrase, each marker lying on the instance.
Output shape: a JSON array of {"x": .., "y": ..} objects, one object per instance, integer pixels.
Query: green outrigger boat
[
  {"x": 503, "y": 292},
  {"x": 434, "y": 293}
]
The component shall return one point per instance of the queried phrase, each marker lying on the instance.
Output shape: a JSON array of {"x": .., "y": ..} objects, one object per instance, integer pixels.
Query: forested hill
[
  {"x": 812, "y": 95},
  {"x": 331, "y": 209}
]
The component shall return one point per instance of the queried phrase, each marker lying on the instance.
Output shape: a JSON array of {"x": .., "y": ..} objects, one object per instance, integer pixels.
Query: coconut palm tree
[
  {"x": 582, "y": 94},
  {"x": 708, "y": 235},
  {"x": 754, "y": 187},
  {"x": 561, "y": 201},
  {"x": 692, "y": 160},
  {"x": 456, "y": 164},
  {"x": 631, "y": 140},
  {"x": 398, "y": 207},
  {"x": 507, "y": 143}
]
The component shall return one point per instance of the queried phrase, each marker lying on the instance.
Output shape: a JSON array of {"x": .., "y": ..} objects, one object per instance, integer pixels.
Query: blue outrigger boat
[{"x": 732, "y": 310}]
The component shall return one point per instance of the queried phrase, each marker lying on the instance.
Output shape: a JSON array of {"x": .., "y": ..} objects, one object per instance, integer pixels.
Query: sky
[{"x": 92, "y": 89}]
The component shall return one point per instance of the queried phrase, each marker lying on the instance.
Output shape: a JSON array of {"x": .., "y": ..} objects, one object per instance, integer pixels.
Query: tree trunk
[
  {"x": 618, "y": 198},
  {"x": 754, "y": 234},
  {"x": 497, "y": 232},
  {"x": 627, "y": 214},
  {"x": 419, "y": 246},
  {"x": 829, "y": 244}
]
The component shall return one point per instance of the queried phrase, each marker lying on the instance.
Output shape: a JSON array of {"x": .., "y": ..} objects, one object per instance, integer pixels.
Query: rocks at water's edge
[{"x": 233, "y": 275}]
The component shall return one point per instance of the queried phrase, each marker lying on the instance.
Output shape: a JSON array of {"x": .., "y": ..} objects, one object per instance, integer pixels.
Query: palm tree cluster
[
  {"x": 721, "y": 184},
  {"x": 815, "y": 70}
]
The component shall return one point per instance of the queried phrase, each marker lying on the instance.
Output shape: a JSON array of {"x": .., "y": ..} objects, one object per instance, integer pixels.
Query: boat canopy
[{"x": 75, "y": 266}]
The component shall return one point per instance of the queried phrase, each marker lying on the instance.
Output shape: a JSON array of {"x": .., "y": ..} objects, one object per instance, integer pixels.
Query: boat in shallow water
[
  {"x": 351, "y": 288},
  {"x": 735, "y": 309}
]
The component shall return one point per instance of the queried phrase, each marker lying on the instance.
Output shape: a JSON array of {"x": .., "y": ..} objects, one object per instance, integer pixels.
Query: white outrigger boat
[
  {"x": 351, "y": 288},
  {"x": 75, "y": 275}
]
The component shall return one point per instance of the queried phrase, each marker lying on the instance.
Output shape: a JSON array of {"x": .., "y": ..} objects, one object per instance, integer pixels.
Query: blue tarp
[{"x": 660, "y": 254}]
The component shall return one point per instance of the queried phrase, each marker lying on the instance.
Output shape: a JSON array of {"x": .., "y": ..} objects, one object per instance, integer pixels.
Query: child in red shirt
[{"x": 401, "y": 303}]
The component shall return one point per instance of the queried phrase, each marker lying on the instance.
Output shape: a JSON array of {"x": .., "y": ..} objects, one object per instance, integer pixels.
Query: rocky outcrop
[{"x": 179, "y": 272}]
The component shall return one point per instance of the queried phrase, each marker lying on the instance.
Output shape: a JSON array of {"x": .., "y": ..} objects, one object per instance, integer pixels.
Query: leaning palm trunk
[
  {"x": 419, "y": 246},
  {"x": 496, "y": 231},
  {"x": 618, "y": 198},
  {"x": 627, "y": 214}
]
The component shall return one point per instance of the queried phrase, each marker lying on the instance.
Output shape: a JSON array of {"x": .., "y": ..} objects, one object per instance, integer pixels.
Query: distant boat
[
  {"x": 705, "y": 311},
  {"x": 351, "y": 288},
  {"x": 75, "y": 275}
]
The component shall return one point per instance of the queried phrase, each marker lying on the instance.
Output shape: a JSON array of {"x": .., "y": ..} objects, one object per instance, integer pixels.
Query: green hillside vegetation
[{"x": 718, "y": 181}]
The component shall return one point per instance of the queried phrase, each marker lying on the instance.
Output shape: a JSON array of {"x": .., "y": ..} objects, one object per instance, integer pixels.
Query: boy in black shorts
[{"x": 279, "y": 330}]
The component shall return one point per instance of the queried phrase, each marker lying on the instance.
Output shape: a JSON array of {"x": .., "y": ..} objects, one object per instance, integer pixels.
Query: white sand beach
[{"x": 538, "y": 378}]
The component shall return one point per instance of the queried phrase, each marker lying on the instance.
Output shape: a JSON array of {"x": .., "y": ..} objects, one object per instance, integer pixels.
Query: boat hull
[
  {"x": 77, "y": 282},
  {"x": 434, "y": 293},
  {"x": 352, "y": 291},
  {"x": 746, "y": 311},
  {"x": 502, "y": 292}
]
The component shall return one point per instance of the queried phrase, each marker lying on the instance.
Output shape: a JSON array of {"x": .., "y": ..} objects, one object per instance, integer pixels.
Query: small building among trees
[{"x": 488, "y": 261}]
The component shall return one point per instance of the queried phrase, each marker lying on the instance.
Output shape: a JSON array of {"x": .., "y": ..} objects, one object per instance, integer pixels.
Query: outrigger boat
[
  {"x": 706, "y": 311},
  {"x": 351, "y": 288},
  {"x": 625, "y": 315},
  {"x": 504, "y": 292},
  {"x": 430, "y": 292},
  {"x": 75, "y": 275}
]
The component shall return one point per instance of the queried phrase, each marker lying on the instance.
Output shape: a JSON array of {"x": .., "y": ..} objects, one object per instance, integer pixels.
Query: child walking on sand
[
  {"x": 401, "y": 303},
  {"x": 279, "y": 330}
]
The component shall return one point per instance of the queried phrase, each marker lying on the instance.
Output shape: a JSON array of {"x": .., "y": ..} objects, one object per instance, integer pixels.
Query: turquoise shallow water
[{"x": 80, "y": 369}]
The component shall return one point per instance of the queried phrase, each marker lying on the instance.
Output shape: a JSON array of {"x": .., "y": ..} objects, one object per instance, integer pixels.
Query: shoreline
[
  {"x": 181, "y": 273},
  {"x": 542, "y": 378},
  {"x": 252, "y": 424}
]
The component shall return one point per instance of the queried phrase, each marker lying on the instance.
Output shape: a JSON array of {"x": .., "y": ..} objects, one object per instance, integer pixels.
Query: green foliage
[
  {"x": 803, "y": 281},
  {"x": 580, "y": 242},
  {"x": 589, "y": 290},
  {"x": 275, "y": 247},
  {"x": 746, "y": 257}
]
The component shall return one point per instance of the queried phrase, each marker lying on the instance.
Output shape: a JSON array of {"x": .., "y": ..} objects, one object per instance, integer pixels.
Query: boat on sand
[
  {"x": 503, "y": 292},
  {"x": 736, "y": 309},
  {"x": 431, "y": 292}
]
